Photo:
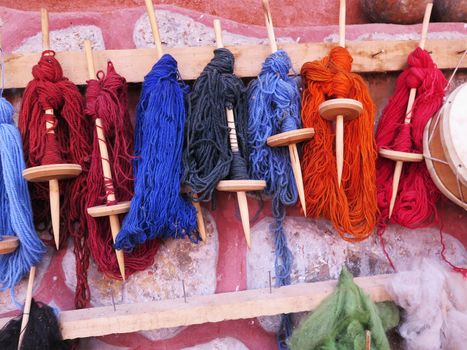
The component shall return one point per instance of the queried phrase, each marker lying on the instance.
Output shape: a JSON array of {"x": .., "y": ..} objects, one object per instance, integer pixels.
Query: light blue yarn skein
[
  {"x": 274, "y": 107},
  {"x": 15, "y": 204}
]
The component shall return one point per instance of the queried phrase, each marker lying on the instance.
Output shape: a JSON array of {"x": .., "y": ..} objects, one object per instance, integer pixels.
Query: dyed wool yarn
[
  {"x": 341, "y": 320},
  {"x": 158, "y": 209},
  {"x": 42, "y": 331},
  {"x": 415, "y": 204},
  {"x": 106, "y": 98},
  {"x": 70, "y": 143},
  {"x": 352, "y": 207},
  {"x": 15, "y": 204},
  {"x": 274, "y": 107},
  {"x": 207, "y": 158}
]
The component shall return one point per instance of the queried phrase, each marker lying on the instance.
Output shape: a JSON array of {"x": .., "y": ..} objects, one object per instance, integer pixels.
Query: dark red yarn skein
[
  {"x": 106, "y": 98},
  {"x": 415, "y": 204},
  {"x": 70, "y": 144}
]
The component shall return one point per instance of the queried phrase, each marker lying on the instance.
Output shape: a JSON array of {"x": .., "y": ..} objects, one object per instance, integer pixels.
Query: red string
[
  {"x": 70, "y": 143},
  {"x": 106, "y": 98}
]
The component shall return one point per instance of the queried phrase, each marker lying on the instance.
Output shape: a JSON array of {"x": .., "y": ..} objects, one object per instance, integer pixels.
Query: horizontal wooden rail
[
  {"x": 246, "y": 304},
  {"x": 369, "y": 56}
]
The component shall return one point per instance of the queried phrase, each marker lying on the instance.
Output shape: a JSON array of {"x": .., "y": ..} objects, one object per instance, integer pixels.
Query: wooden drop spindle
[
  {"x": 408, "y": 118},
  {"x": 243, "y": 184},
  {"x": 158, "y": 43},
  {"x": 294, "y": 136},
  {"x": 106, "y": 171}
]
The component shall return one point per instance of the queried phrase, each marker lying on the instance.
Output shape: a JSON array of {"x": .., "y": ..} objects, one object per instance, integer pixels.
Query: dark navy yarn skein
[{"x": 207, "y": 156}]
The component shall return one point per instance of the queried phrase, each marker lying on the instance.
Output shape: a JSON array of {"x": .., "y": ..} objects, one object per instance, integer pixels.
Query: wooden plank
[
  {"x": 369, "y": 56},
  {"x": 246, "y": 304}
]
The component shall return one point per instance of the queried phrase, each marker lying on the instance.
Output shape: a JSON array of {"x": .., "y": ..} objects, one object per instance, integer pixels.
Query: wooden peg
[
  {"x": 236, "y": 185},
  {"x": 154, "y": 27},
  {"x": 272, "y": 141},
  {"x": 106, "y": 171},
  {"x": 405, "y": 156},
  {"x": 27, "y": 306}
]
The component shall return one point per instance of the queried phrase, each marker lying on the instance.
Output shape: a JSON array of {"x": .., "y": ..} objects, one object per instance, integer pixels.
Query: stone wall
[{"x": 223, "y": 263}]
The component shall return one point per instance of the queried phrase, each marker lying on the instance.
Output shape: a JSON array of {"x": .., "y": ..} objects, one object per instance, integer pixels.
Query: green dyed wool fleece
[{"x": 340, "y": 321}]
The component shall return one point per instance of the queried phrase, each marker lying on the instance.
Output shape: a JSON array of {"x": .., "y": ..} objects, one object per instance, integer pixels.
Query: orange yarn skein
[{"x": 352, "y": 208}]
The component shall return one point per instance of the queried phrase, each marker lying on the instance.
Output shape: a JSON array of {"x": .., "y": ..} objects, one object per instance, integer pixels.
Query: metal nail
[
  {"x": 184, "y": 292},
  {"x": 270, "y": 283}
]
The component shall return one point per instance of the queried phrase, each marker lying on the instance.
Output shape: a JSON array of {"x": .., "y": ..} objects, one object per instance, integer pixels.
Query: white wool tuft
[{"x": 435, "y": 302}]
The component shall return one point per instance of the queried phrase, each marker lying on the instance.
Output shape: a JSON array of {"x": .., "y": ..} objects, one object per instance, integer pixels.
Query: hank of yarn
[
  {"x": 42, "y": 331},
  {"x": 51, "y": 90},
  {"x": 208, "y": 157},
  {"x": 352, "y": 207},
  {"x": 274, "y": 107},
  {"x": 341, "y": 320},
  {"x": 158, "y": 209},
  {"x": 15, "y": 204},
  {"x": 415, "y": 204},
  {"x": 107, "y": 99}
]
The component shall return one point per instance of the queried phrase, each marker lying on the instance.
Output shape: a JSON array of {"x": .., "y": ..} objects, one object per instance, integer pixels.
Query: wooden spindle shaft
[
  {"x": 297, "y": 172},
  {"x": 154, "y": 27},
  {"x": 269, "y": 26},
  {"x": 241, "y": 196},
  {"x": 200, "y": 219},
  {"x": 54, "y": 188},
  {"x": 340, "y": 118},
  {"x": 27, "y": 305},
  {"x": 106, "y": 170},
  {"x": 367, "y": 340},
  {"x": 294, "y": 158},
  {"x": 339, "y": 147},
  {"x": 45, "y": 29},
  {"x": 342, "y": 23},
  {"x": 408, "y": 114}
]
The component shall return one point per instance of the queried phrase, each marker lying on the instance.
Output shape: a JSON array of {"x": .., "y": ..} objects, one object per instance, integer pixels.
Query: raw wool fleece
[
  {"x": 434, "y": 300},
  {"x": 340, "y": 321}
]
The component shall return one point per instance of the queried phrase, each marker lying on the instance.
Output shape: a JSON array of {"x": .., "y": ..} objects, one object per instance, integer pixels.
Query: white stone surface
[
  {"x": 67, "y": 39},
  {"x": 177, "y": 30},
  {"x": 447, "y": 35},
  {"x": 176, "y": 261},
  {"x": 227, "y": 343},
  {"x": 319, "y": 253}
]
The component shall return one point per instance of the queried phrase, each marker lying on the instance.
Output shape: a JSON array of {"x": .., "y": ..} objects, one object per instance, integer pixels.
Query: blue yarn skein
[
  {"x": 15, "y": 205},
  {"x": 274, "y": 107},
  {"x": 158, "y": 209}
]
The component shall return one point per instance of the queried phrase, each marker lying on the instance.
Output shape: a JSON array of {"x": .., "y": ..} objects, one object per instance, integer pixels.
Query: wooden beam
[
  {"x": 369, "y": 56},
  {"x": 246, "y": 304}
]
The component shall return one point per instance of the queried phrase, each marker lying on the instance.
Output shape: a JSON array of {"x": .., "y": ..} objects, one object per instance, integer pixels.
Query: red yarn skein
[
  {"x": 106, "y": 98},
  {"x": 69, "y": 144},
  {"x": 415, "y": 204}
]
